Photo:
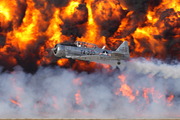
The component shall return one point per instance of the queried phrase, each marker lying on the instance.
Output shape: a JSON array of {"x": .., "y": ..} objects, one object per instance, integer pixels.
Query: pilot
[
  {"x": 82, "y": 44},
  {"x": 78, "y": 44},
  {"x": 105, "y": 53}
]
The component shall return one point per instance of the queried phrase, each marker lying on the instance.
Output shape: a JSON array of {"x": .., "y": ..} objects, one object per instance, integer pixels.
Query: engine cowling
[{"x": 59, "y": 50}]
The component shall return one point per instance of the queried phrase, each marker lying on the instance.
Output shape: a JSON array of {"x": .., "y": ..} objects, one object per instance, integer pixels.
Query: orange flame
[
  {"x": 47, "y": 23},
  {"x": 63, "y": 62},
  {"x": 77, "y": 81},
  {"x": 145, "y": 94},
  {"x": 78, "y": 97},
  {"x": 16, "y": 102},
  {"x": 55, "y": 103},
  {"x": 126, "y": 90},
  {"x": 122, "y": 78},
  {"x": 169, "y": 100}
]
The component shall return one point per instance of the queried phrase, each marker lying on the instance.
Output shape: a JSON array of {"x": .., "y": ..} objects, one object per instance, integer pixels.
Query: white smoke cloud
[{"x": 51, "y": 92}]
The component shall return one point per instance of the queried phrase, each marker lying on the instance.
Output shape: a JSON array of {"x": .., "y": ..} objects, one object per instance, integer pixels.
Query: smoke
[
  {"x": 108, "y": 18},
  {"x": 139, "y": 89},
  {"x": 76, "y": 26},
  {"x": 59, "y": 3},
  {"x": 55, "y": 92}
]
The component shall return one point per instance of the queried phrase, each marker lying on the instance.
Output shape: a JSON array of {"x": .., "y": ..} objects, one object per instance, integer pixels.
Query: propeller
[{"x": 55, "y": 50}]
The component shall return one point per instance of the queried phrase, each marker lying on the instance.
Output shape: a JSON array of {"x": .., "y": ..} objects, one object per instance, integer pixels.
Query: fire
[
  {"x": 77, "y": 81},
  {"x": 132, "y": 93},
  {"x": 15, "y": 102},
  {"x": 31, "y": 29},
  {"x": 5, "y": 11},
  {"x": 63, "y": 62},
  {"x": 83, "y": 65},
  {"x": 125, "y": 89},
  {"x": 71, "y": 8},
  {"x": 43, "y": 53},
  {"x": 169, "y": 100},
  {"x": 151, "y": 17},
  {"x": 28, "y": 31},
  {"x": 90, "y": 14},
  {"x": 55, "y": 103},
  {"x": 53, "y": 30},
  {"x": 92, "y": 33},
  {"x": 18, "y": 89},
  {"x": 78, "y": 97},
  {"x": 145, "y": 94},
  {"x": 175, "y": 4},
  {"x": 122, "y": 78}
]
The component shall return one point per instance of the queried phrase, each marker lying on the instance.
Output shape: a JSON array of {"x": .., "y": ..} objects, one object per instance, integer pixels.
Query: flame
[
  {"x": 132, "y": 94},
  {"x": 53, "y": 31},
  {"x": 125, "y": 89},
  {"x": 77, "y": 81},
  {"x": 55, "y": 103},
  {"x": 5, "y": 12},
  {"x": 93, "y": 19},
  {"x": 42, "y": 54},
  {"x": 171, "y": 4},
  {"x": 78, "y": 97},
  {"x": 169, "y": 100},
  {"x": 63, "y": 62},
  {"x": 122, "y": 78},
  {"x": 16, "y": 102},
  {"x": 30, "y": 31},
  {"x": 94, "y": 22},
  {"x": 145, "y": 94},
  {"x": 18, "y": 89},
  {"x": 92, "y": 33},
  {"x": 82, "y": 65},
  {"x": 137, "y": 92},
  {"x": 69, "y": 10}
]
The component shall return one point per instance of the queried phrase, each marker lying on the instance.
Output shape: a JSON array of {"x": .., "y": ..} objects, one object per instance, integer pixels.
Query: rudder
[{"x": 124, "y": 48}]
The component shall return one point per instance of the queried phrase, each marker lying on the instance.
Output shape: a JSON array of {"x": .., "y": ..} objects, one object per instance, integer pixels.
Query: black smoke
[{"x": 75, "y": 25}]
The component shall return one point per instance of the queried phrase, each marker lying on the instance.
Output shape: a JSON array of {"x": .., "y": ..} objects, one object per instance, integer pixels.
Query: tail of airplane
[{"x": 124, "y": 48}]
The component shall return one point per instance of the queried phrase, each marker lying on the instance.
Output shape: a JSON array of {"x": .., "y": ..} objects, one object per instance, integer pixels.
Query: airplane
[{"x": 91, "y": 52}]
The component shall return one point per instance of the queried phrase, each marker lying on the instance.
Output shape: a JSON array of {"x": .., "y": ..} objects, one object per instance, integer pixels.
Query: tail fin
[{"x": 124, "y": 48}]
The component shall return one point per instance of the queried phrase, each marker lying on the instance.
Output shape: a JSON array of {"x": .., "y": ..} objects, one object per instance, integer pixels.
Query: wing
[{"x": 86, "y": 56}]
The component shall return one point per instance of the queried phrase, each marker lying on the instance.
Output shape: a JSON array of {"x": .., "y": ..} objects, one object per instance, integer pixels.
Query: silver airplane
[{"x": 91, "y": 52}]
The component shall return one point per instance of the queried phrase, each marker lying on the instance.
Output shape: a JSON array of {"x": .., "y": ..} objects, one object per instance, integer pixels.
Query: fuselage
[{"x": 93, "y": 54}]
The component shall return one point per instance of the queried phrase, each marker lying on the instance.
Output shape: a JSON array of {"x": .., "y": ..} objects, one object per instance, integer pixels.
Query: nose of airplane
[
  {"x": 58, "y": 50},
  {"x": 55, "y": 49}
]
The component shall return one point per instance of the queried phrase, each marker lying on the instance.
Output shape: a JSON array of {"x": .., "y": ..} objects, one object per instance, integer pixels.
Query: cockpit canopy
[{"x": 85, "y": 44}]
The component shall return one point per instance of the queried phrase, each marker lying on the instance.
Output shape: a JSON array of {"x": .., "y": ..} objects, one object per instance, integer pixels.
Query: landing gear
[{"x": 118, "y": 63}]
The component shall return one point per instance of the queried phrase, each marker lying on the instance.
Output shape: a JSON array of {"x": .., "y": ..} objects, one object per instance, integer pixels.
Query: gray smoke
[{"x": 52, "y": 93}]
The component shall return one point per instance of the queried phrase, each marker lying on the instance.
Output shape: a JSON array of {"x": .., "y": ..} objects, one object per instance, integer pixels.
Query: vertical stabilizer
[{"x": 124, "y": 48}]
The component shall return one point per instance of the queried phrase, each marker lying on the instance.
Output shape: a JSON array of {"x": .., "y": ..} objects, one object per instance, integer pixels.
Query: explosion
[{"x": 29, "y": 29}]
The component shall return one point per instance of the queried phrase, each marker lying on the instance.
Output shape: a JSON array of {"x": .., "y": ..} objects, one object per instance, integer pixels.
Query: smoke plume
[{"x": 51, "y": 93}]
